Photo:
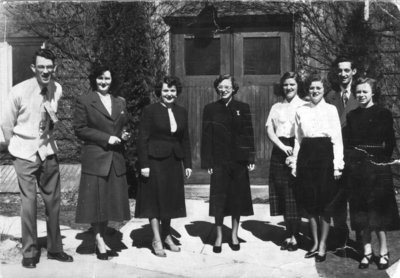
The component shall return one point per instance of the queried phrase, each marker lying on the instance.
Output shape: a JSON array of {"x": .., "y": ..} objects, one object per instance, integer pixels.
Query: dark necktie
[
  {"x": 43, "y": 112},
  {"x": 345, "y": 98}
]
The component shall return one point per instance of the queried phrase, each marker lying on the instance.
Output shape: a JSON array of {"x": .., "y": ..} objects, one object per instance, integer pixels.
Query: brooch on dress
[{"x": 238, "y": 112}]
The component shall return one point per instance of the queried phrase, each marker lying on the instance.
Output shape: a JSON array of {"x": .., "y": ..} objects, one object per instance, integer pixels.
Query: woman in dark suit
[
  {"x": 99, "y": 121},
  {"x": 164, "y": 157},
  {"x": 372, "y": 200},
  {"x": 227, "y": 152}
]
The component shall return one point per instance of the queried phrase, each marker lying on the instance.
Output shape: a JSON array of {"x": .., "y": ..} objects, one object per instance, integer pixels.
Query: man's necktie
[
  {"x": 44, "y": 118},
  {"x": 345, "y": 98}
]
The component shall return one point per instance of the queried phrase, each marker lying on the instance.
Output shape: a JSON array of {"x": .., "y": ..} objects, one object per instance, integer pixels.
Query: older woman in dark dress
[
  {"x": 227, "y": 152},
  {"x": 372, "y": 201},
  {"x": 280, "y": 130},
  {"x": 164, "y": 157},
  {"x": 99, "y": 121}
]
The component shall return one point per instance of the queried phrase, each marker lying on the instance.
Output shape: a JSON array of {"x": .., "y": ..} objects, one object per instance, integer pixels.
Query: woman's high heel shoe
[
  {"x": 319, "y": 258},
  {"x": 112, "y": 253},
  {"x": 368, "y": 257},
  {"x": 158, "y": 249},
  {"x": 169, "y": 243},
  {"x": 217, "y": 249},
  {"x": 310, "y": 254},
  {"x": 384, "y": 265},
  {"x": 101, "y": 256}
]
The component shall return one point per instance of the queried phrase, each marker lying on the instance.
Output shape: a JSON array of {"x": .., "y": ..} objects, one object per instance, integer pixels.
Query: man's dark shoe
[
  {"x": 29, "y": 262},
  {"x": 60, "y": 256}
]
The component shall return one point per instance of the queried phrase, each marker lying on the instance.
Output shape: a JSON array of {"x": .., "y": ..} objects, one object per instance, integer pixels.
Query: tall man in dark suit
[
  {"x": 343, "y": 98},
  {"x": 27, "y": 124}
]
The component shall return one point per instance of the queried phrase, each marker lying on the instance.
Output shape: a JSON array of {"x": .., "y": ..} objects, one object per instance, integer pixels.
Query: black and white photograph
[{"x": 209, "y": 138}]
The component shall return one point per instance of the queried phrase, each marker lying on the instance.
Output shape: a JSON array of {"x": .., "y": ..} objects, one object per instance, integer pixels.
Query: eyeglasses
[
  {"x": 224, "y": 87},
  {"x": 42, "y": 68}
]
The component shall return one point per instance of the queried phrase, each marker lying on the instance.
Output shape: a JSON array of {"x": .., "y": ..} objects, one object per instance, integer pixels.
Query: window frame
[{"x": 265, "y": 79}]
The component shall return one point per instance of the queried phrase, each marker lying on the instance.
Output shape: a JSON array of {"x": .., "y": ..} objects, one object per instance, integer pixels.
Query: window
[
  {"x": 202, "y": 56},
  {"x": 261, "y": 56}
]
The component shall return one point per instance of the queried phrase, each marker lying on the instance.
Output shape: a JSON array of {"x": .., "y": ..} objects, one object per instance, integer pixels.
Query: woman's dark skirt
[
  {"x": 281, "y": 184},
  {"x": 371, "y": 194},
  {"x": 230, "y": 191},
  {"x": 315, "y": 184},
  {"x": 162, "y": 195},
  {"x": 103, "y": 198}
]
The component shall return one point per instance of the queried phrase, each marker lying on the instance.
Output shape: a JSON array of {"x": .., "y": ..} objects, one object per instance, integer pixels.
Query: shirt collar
[
  {"x": 321, "y": 103},
  {"x": 164, "y": 105},
  {"x": 295, "y": 101},
  {"x": 103, "y": 96},
  {"x": 221, "y": 101},
  {"x": 347, "y": 89}
]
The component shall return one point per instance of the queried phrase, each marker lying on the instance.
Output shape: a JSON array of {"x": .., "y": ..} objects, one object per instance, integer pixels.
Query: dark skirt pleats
[
  {"x": 162, "y": 195},
  {"x": 230, "y": 191},
  {"x": 103, "y": 198},
  {"x": 316, "y": 188}
]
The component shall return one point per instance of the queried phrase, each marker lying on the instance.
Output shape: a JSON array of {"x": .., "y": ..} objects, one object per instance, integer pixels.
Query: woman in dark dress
[
  {"x": 317, "y": 161},
  {"x": 280, "y": 130},
  {"x": 227, "y": 152},
  {"x": 164, "y": 157},
  {"x": 99, "y": 121},
  {"x": 372, "y": 201}
]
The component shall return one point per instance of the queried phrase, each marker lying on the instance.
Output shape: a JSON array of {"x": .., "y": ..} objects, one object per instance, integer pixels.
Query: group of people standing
[
  {"x": 329, "y": 151},
  {"x": 310, "y": 170}
]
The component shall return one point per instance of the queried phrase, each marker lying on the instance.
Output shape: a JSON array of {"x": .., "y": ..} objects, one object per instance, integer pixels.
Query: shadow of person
[
  {"x": 265, "y": 231},
  {"x": 207, "y": 233},
  {"x": 304, "y": 240},
  {"x": 143, "y": 237},
  {"x": 112, "y": 237}
]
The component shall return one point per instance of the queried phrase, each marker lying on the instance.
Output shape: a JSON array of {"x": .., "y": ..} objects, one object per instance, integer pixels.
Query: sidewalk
[{"x": 259, "y": 255}]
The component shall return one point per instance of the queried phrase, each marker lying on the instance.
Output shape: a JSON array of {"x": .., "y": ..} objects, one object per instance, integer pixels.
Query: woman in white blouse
[
  {"x": 317, "y": 162},
  {"x": 280, "y": 130}
]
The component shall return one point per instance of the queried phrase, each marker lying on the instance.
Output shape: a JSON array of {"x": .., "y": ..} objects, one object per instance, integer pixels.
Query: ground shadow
[
  {"x": 143, "y": 237},
  {"x": 207, "y": 233},
  {"x": 112, "y": 237},
  {"x": 275, "y": 233}
]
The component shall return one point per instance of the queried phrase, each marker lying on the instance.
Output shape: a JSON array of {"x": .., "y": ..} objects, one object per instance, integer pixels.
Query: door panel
[{"x": 258, "y": 90}]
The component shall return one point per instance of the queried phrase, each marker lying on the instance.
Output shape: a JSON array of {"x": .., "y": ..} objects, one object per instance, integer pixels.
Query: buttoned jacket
[
  {"x": 227, "y": 134},
  {"x": 156, "y": 141},
  {"x": 94, "y": 126}
]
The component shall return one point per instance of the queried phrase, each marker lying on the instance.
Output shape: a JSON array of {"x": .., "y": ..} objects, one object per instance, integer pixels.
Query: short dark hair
[
  {"x": 342, "y": 59},
  {"x": 289, "y": 75},
  {"x": 235, "y": 86},
  {"x": 45, "y": 53},
  {"x": 96, "y": 71},
  {"x": 170, "y": 81},
  {"x": 373, "y": 83},
  {"x": 315, "y": 77}
]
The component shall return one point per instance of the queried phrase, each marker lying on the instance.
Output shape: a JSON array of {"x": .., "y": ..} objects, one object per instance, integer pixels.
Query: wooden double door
[{"x": 256, "y": 59}]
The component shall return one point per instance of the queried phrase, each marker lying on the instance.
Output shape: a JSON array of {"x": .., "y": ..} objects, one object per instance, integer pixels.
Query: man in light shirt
[
  {"x": 27, "y": 124},
  {"x": 344, "y": 100}
]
